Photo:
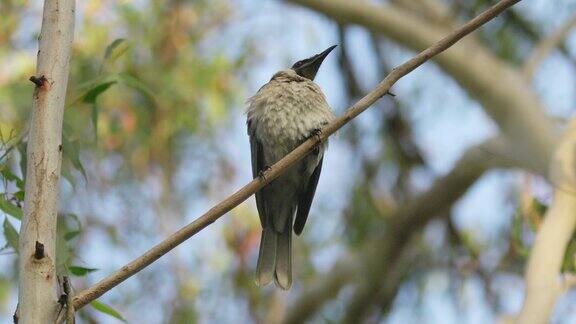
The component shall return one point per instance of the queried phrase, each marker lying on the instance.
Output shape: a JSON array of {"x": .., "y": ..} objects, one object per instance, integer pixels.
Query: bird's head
[{"x": 309, "y": 67}]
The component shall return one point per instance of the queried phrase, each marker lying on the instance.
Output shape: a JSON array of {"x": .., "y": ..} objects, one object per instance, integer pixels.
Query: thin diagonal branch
[{"x": 239, "y": 196}]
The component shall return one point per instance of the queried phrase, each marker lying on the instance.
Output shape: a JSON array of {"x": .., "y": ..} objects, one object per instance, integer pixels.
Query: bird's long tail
[
  {"x": 266, "y": 256},
  {"x": 275, "y": 258},
  {"x": 283, "y": 275}
]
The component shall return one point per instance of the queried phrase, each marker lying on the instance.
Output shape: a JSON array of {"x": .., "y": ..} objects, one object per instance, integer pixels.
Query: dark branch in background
[
  {"x": 353, "y": 89},
  {"x": 352, "y": 86},
  {"x": 411, "y": 218},
  {"x": 399, "y": 130},
  {"x": 375, "y": 264},
  {"x": 457, "y": 240},
  {"x": 546, "y": 45},
  {"x": 239, "y": 196},
  {"x": 530, "y": 30},
  {"x": 518, "y": 22}
]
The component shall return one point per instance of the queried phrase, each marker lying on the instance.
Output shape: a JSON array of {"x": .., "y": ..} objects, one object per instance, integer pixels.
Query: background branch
[
  {"x": 239, "y": 196},
  {"x": 543, "y": 277},
  {"x": 378, "y": 257},
  {"x": 500, "y": 88},
  {"x": 544, "y": 48},
  {"x": 409, "y": 219}
]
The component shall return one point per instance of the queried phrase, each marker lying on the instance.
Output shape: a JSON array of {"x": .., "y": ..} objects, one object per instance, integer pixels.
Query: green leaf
[
  {"x": 103, "y": 308},
  {"x": 539, "y": 207},
  {"x": 136, "y": 84},
  {"x": 115, "y": 49},
  {"x": 10, "y": 209},
  {"x": 75, "y": 218},
  {"x": 69, "y": 177},
  {"x": 63, "y": 255},
  {"x": 92, "y": 94},
  {"x": 80, "y": 271},
  {"x": 71, "y": 150},
  {"x": 94, "y": 117},
  {"x": 19, "y": 195},
  {"x": 70, "y": 235},
  {"x": 516, "y": 229},
  {"x": 568, "y": 263},
  {"x": 8, "y": 175},
  {"x": 23, "y": 158},
  {"x": 84, "y": 86},
  {"x": 10, "y": 234},
  {"x": 69, "y": 226},
  {"x": 5, "y": 290}
]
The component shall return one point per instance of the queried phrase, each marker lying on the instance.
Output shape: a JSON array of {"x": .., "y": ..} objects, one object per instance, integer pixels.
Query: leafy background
[{"x": 154, "y": 134}]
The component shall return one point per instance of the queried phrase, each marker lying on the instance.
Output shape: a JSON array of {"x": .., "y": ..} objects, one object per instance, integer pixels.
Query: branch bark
[
  {"x": 37, "y": 286},
  {"x": 543, "y": 278},
  {"x": 499, "y": 87},
  {"x": 239, "y": 196}
]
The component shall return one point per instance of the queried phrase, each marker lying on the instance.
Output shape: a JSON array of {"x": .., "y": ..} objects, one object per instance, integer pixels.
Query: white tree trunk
[
  {"x": 37, "y": 287},
  {"x": 543, "y": 277}
]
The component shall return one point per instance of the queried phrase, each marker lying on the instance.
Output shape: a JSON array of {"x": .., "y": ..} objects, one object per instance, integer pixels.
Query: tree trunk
[
  {"x": 37, "y": 287},
  {"x": 544, "y": 282}
]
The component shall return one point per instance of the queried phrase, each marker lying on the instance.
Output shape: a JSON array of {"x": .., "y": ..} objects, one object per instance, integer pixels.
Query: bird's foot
[
  {"x": 262, "y": 173},
  {"x": 317, "y": 132}
]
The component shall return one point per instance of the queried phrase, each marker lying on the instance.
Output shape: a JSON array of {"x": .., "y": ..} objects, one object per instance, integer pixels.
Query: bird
[{"x": 284, "y": 113}]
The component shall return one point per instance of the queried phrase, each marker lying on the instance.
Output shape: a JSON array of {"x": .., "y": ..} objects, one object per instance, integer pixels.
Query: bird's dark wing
[
  {"x": 257, "y": 166},
  {"x": 305, "y": 199}
]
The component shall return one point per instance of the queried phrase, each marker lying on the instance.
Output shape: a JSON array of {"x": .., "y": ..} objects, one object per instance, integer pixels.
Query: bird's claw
[
  {"x": 262, "y": 173},
  {"x": 317, "y": 133}
]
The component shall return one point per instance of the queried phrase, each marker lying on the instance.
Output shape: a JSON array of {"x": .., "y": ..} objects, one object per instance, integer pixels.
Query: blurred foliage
[
  {"x": 143, "y": 82},
  {"x": 150, "y": 91}
]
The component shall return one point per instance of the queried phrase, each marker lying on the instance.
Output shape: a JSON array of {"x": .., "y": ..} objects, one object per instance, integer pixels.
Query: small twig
[
  {"x": 38, "y": 81},
  {"x": 15, "y": 316},
  {"x": 150, "y": 256},
  {"x": 6, "y": 147},
  {"x": 39, "y": 251},
  {"x": 352, "y": 85},
  {"x": 69, "y": 304}
]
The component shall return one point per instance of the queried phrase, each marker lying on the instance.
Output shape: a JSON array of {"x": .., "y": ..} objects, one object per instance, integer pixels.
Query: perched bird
[{"x": 283, "y": 114}]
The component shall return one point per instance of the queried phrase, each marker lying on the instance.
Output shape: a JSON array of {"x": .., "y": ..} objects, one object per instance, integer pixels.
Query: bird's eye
[{"x": 298, "y": 64}]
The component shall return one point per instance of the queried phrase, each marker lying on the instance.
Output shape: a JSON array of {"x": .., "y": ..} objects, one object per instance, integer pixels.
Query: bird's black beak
[{"x": 309, "y": 67}]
